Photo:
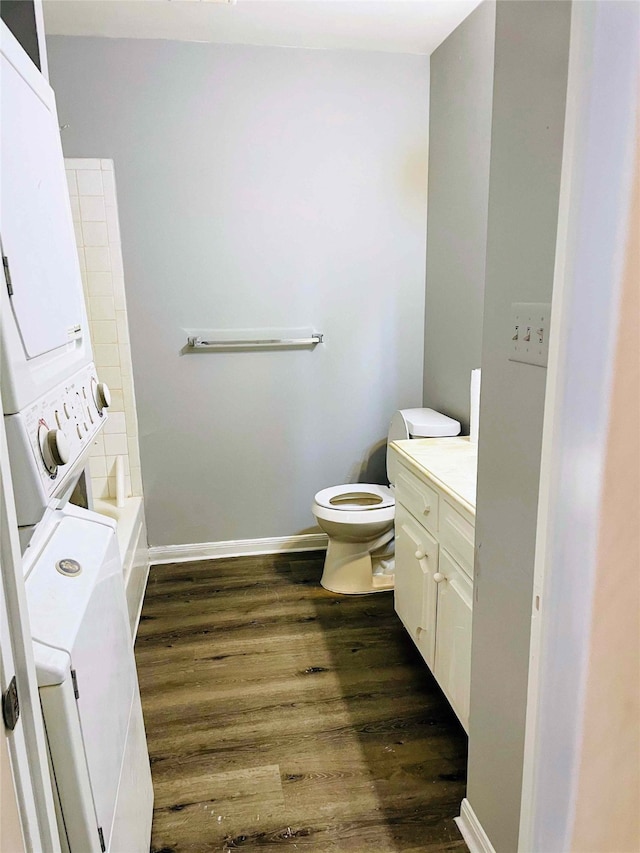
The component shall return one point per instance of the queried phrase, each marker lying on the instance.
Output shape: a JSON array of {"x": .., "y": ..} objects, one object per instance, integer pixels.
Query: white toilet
[{"x": 358, "y": 517}]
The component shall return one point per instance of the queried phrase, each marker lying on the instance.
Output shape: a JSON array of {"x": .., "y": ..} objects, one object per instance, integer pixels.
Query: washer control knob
[
  {"x": 56, "y": 448},
  {"x": 102, "y": 396}
]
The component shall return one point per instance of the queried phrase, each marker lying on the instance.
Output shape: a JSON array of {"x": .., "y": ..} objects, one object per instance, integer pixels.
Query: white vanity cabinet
[{"x": 435, "y": 518}]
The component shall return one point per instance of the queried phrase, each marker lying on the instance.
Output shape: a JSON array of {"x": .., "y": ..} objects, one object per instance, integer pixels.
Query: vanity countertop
[{"x": 451, "y": 462}]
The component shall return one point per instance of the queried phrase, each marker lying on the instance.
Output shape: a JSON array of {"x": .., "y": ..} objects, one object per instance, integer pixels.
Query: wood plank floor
[{"x": 282, "y": 716}]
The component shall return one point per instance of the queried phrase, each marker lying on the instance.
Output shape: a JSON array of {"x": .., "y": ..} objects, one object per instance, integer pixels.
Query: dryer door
[{"x": 35, "y": 220}]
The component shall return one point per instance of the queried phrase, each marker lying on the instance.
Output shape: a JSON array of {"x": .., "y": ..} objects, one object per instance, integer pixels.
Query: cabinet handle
[
  {"x": 420, "y": 555},
  {"x": 439, "y": 577},
  {"x": 426, "y": 510}
]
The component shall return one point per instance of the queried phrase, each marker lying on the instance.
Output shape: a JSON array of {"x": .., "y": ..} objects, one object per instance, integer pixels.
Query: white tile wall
[{"x": 93, "y": 204}]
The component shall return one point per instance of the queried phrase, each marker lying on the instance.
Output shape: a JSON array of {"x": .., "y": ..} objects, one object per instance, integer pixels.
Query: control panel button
[{"x": 68, "y": 567}]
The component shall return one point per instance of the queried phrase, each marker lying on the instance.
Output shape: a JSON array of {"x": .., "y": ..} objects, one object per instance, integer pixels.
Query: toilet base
[{"x": 349, "y": 569}]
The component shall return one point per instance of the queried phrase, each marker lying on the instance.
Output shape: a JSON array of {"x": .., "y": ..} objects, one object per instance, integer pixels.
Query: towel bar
[{"x": 196, "y": 343}]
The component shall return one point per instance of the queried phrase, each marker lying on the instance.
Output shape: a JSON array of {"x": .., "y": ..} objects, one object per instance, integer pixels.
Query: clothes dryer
[
  {"x": 54, "y": 407},
  {"x": 44, "y": 329},
  {"x": 53, "y": 403}
]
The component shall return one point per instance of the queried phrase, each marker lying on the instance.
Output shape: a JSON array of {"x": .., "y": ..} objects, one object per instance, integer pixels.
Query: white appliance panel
[
  {"x": 132, "y": 823},
  {"x": 44, "y": 326},
  {"x": 33, "y": 191},
  {"x": 78, "y": 826},
  {"x": 105, "y": 667},
  {"x": 70, "y": 408},
  {"x": 86, "y": 616}
]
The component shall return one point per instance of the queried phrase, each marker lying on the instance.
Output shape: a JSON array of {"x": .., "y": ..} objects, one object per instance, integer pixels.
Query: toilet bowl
[{"x": 358, "y": 517}]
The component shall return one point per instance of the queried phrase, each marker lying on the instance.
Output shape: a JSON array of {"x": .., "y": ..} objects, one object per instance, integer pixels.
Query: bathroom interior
[{"x": 315, "y": 244}]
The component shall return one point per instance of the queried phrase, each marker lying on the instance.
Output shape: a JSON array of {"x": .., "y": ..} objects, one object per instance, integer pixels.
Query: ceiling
[{"x": 395, "y": 26}]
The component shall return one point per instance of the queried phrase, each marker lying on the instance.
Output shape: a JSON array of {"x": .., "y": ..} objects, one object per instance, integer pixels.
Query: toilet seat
[{"x": 356, "y": 497}]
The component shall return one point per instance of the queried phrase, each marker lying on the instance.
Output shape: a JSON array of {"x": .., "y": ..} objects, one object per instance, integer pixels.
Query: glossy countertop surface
[{"x": 451, "y": 463}]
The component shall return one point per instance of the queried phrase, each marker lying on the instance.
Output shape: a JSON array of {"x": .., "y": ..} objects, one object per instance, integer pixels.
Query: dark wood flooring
[{"x": 282, "y": 716}]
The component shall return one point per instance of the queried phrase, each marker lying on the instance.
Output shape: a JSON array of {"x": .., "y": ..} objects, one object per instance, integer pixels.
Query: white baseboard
[
  {"x": 474, "y": 835},
  {"x": 135, "y": 588},
  {"x": 237, "y": 548}
]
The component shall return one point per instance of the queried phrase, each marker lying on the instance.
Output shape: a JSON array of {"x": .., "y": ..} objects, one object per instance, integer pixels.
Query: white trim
[
  {"x": 41, "y": 34},
  {"x": 599, "y": 141},
  {"x": 580, "y": 48},
  {"x": 471, "y": 829},
  {"x": 237, "y": 548},
  {"x": 16, "y": 56},
  {"x": 27, "y": 744},
  {"x": 136, "y": 622}
]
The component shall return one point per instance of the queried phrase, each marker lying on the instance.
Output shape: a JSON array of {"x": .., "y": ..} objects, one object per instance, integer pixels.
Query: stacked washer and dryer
[{"x": 54, "y": 406}]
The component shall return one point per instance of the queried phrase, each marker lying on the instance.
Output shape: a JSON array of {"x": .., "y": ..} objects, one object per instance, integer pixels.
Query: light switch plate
[{"x": 529, "y": 332}]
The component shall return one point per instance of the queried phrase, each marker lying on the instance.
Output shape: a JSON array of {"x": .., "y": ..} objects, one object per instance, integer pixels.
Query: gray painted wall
[
  {"x": 259, "y": 187},
  {"x": 459, "y": 148},
  {"x": 531, "y": 57}
]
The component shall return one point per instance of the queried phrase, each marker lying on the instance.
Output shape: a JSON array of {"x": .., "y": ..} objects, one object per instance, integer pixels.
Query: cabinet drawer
[
  {"x": 421, "y": 500},
  {"x": 457, "y": 535}
]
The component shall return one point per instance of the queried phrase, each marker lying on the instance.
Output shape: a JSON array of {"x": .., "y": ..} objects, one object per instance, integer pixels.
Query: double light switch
[{"x": 529, "y": 330}]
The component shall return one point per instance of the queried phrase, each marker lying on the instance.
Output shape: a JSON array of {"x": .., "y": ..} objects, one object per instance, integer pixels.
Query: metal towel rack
[{"x": 196, "y": 343}]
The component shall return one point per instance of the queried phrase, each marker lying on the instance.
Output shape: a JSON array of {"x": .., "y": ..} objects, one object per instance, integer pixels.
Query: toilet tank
[{"x": 417, "y": 423}]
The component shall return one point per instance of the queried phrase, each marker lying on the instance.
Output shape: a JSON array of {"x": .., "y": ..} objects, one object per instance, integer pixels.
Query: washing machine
[
  {"x": 55, "y": 406},
  {"x": 88, "y": 684}
]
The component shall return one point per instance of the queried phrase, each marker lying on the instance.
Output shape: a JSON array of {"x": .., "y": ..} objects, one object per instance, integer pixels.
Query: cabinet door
[
  {"x": 415, "y": 589},
  {"x": 453, "y": 635}
]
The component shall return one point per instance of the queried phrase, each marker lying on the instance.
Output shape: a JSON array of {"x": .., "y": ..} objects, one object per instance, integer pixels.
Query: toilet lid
[{"x": 356, "y": 496}]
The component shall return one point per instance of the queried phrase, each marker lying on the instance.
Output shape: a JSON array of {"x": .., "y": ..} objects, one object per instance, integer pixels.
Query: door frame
[
  {"x": 26, "y": 744},
  {"x": 593, "y": 224}
]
